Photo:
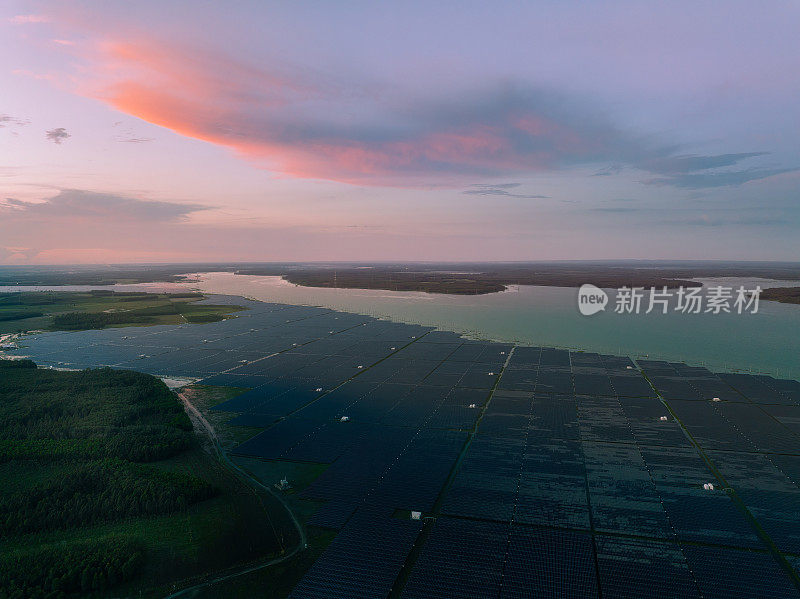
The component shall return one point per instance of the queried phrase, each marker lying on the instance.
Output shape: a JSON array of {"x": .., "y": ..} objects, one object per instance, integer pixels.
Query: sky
[{"x": 363, "y": 131}]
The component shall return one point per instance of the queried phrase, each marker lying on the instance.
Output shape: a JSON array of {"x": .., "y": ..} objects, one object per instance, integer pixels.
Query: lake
[{"x": 765, "y": 342}]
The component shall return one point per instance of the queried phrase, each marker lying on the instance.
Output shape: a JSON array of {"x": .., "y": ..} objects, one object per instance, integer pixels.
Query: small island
[{"x": 784, "y": 295}]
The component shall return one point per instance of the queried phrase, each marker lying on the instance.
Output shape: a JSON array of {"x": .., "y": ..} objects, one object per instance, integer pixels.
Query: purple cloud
[
  {"x": 88, "y": 205},
  {"x": 57, "y": 135}
]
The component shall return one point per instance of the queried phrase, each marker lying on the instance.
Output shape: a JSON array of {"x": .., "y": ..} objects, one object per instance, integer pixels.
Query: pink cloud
[{"x": 326, "y": 130}]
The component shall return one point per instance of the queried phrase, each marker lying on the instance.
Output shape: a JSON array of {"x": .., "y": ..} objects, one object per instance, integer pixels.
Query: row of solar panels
[{"x": 465, "y": 558}]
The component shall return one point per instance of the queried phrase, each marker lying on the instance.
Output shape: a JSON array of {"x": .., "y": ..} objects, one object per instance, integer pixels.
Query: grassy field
[
  {"x": 71, "y": 310},
  {"x": 51, "y": 509}
]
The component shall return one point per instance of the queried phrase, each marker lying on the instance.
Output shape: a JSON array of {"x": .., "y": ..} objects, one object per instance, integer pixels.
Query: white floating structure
[
  {"x": 708, "y": 486},
  {"x": 416, "y": 515},
  {"x": 715, "y": 399},
  {"x": 344, "y": 418},
  {"x": 629, "y": 367},
  {"x": 472, "y": 405},
  {"x": 663, "y": 419},
  {"x": 491, "y": 374},
  {"x": 318, "y": 389},
  {"x": 360, "y": 367}
]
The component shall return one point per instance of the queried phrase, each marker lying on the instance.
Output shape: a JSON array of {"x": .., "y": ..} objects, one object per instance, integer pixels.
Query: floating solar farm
[{"x": 469, "y": 469}]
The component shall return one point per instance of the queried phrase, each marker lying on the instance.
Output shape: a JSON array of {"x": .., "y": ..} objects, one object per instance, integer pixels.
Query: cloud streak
[
  {"x": 500, "y": 189},
  {"x": 83, "y": 205},
  {"x": 8, "y": 120},
  {"x": 678, "y": 165},
  {"x": 717, "y": 179},
  {"x": 28, "y": 19}
]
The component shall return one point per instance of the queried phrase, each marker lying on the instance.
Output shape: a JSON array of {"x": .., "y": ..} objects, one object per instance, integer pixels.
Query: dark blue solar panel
[
  {"x": 333, "y": 514},
  {"x": 363, "y": 560},
  {"x": 593, "y": 384},
  {"x": 729, "y": 573},
  {"x": 253, "y": 420},
  {"x": 622, "y": 495},
  {"x": 631, "y": 385},
  {"x": 460, "y": 558},
  {"x": 275, "y": 441},
  {"x": 634, "y": 568},
  {"x": 548, "y": 563}
]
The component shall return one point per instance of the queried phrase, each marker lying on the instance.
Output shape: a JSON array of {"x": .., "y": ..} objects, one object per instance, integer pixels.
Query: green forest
[{"x": 103, "y": 476}]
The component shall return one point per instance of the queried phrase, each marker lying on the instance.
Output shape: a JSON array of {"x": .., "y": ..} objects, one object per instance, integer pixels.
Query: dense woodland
[
  {"x": 94, "y": 438},
  {"x": 69, "y": 570}
]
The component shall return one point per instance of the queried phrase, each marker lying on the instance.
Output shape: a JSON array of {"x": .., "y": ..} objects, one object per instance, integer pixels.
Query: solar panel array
[{"x": 538, "y": 472}]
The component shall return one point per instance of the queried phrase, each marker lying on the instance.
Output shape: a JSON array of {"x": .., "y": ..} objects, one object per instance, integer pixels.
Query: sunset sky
[{"x": 208, "y": 131}]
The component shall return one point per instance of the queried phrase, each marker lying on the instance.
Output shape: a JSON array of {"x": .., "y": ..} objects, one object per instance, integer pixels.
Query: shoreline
[{"x": 475, "y": 335}]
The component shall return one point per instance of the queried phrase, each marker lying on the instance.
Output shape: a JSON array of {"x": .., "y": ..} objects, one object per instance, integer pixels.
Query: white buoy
[{"x": 663, "y": 419}]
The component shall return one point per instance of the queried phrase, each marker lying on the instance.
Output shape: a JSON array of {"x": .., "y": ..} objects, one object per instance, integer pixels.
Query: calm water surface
[{"x": 768, "y": 341}]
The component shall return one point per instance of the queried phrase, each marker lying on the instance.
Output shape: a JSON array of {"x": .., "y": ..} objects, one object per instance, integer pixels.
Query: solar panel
[
  {"x": 548, "y": 563},
  {"x": 460, "y": 558},
  {"x": 736, "y": 574},
  {"x": 363, "y": 560},
  {"x": 634, "y": 568}
]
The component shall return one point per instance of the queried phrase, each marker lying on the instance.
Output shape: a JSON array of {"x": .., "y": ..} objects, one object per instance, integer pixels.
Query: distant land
[
  {"x": 786, "y": 295},
  {"x": 100, "y": 308},
  {"x": 444, "y": 277}
]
